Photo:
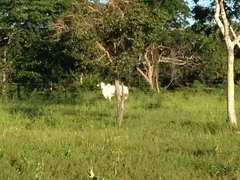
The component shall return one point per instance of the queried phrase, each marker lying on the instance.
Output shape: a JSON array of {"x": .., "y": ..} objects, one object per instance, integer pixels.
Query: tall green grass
[{"x": 167, "y": 135}]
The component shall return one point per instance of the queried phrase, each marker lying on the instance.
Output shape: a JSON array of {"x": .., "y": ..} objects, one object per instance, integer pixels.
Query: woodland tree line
[{"x": 58, "y": 45}]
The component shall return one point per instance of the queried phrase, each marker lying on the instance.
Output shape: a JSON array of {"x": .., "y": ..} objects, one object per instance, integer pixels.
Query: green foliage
[
  {"x": 27, "y": 13},
  {"x": 177, "y": 9},
  {"x": 30, "y": 47},
  {"x": 48, "y": 45},
  {"x": 123, "y": 30}
]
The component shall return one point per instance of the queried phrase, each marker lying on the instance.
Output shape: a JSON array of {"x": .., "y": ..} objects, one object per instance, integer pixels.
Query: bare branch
[
  {"x": 111, "y": 3},
  {"x": 166, "y": 87},
  {"x": 173, "y": 61},
  {"x": 101, "y": 47},
  {"x": 60, "y": 27},
  {"x": 144, "y": 75},
  {"x": 146, "y": 57},
  {"x": 217, "y": 18},
  {"x": 224, "y": 18},
  {"x": 236, "y": 38},
  {"x": 99, "y": 59}
]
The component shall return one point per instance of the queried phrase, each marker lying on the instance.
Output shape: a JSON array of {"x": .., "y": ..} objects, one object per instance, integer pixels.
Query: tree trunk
[
  {"x": 148, "y": 76},
  {"x": 81, "y": 78},
  {"x": 19, "y": 91},
  {"x": 231, "y": 40},
  {"x": 156, "y": 77},
  {"x": 230, "y": 89},
  {"x": 4, "y": 84},
  {"x": 51, "y": 87},
  {"x": 4, "y": 75},
  {"x": 119, "y": 100},
  {"x": 5, "y": 70}
]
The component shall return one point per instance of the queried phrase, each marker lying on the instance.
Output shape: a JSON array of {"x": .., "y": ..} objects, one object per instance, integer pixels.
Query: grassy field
[{"x": 167, "y": 135}]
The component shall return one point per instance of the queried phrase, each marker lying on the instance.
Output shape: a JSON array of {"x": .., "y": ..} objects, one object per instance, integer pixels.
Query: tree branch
[
  {"x": 217, "y": 14},
  {"x": 173, "y": 61},
  {"x": 236, "y": 38},
  {"x": 101, "y": 47},
  {"x": 224, "y": 19},
  {"x": 144, "y": 75}
]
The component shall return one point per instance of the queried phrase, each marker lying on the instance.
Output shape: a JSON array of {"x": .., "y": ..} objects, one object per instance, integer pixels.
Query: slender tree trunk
[
  {"x": 119, "y": 100},
  {"x": 81, "y": 78},
  {"x": 51, "y": 87},
  {"x": 231, "y": 40},
  {"x": 230, "y": 89},
  {"x": 5, "y": 69},
  {"x": 19, "y": 91},
  {"x": 4, "y": 84},
  {"x": 151, "y": 77},
  {"x": 156, "y": 77},
  {"x": 4, "y": 75}
]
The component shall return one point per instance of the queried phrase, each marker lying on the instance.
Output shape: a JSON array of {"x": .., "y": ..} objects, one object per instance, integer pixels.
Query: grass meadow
[{"x": 166, "y": 135}]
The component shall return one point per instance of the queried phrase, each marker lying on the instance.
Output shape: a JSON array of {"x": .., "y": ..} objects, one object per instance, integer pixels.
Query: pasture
[{"x": 166, "y": 135}]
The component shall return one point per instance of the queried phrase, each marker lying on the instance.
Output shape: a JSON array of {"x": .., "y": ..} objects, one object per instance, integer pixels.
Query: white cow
[{"x": 109, "y": 90}]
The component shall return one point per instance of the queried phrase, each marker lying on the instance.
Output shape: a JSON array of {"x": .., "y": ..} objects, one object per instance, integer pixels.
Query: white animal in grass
[{"x": 109, "y": 90}]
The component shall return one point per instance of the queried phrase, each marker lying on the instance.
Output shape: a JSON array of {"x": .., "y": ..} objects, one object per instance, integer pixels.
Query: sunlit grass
[{"x": 167, "y": 135}]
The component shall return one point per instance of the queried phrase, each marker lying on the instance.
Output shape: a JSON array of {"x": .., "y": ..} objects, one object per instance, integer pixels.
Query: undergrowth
[{"x": 166, "y": 135}]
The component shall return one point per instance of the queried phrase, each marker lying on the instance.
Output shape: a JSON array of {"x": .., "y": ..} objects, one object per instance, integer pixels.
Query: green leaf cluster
[{"x": 49, "y": 43}]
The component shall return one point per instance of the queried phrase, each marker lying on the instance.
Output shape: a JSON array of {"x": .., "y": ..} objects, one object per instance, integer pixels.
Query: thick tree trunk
[
  {"x": 230, "y": 89},
  {"x": 119, "y": 100}
]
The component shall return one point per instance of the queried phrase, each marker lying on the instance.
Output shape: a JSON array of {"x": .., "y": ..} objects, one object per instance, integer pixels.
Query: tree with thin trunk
[
  {"x": 119, "y": 99},
  {"x": 4, "y": 74},
  {"x": 6, "y": 61},
  {"x": 117, "y": 32},
  {"x": 111, "y": 60},
  {"x": 231, "y": 40},
  {"x": 180, "y": 55},
  {"x": 108, "y": 29}
]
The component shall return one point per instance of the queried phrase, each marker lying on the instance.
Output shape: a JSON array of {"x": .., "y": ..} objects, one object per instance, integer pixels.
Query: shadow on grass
[
  {"x": 28, "y": 110},
  {"x": 207, "y": 127}
]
